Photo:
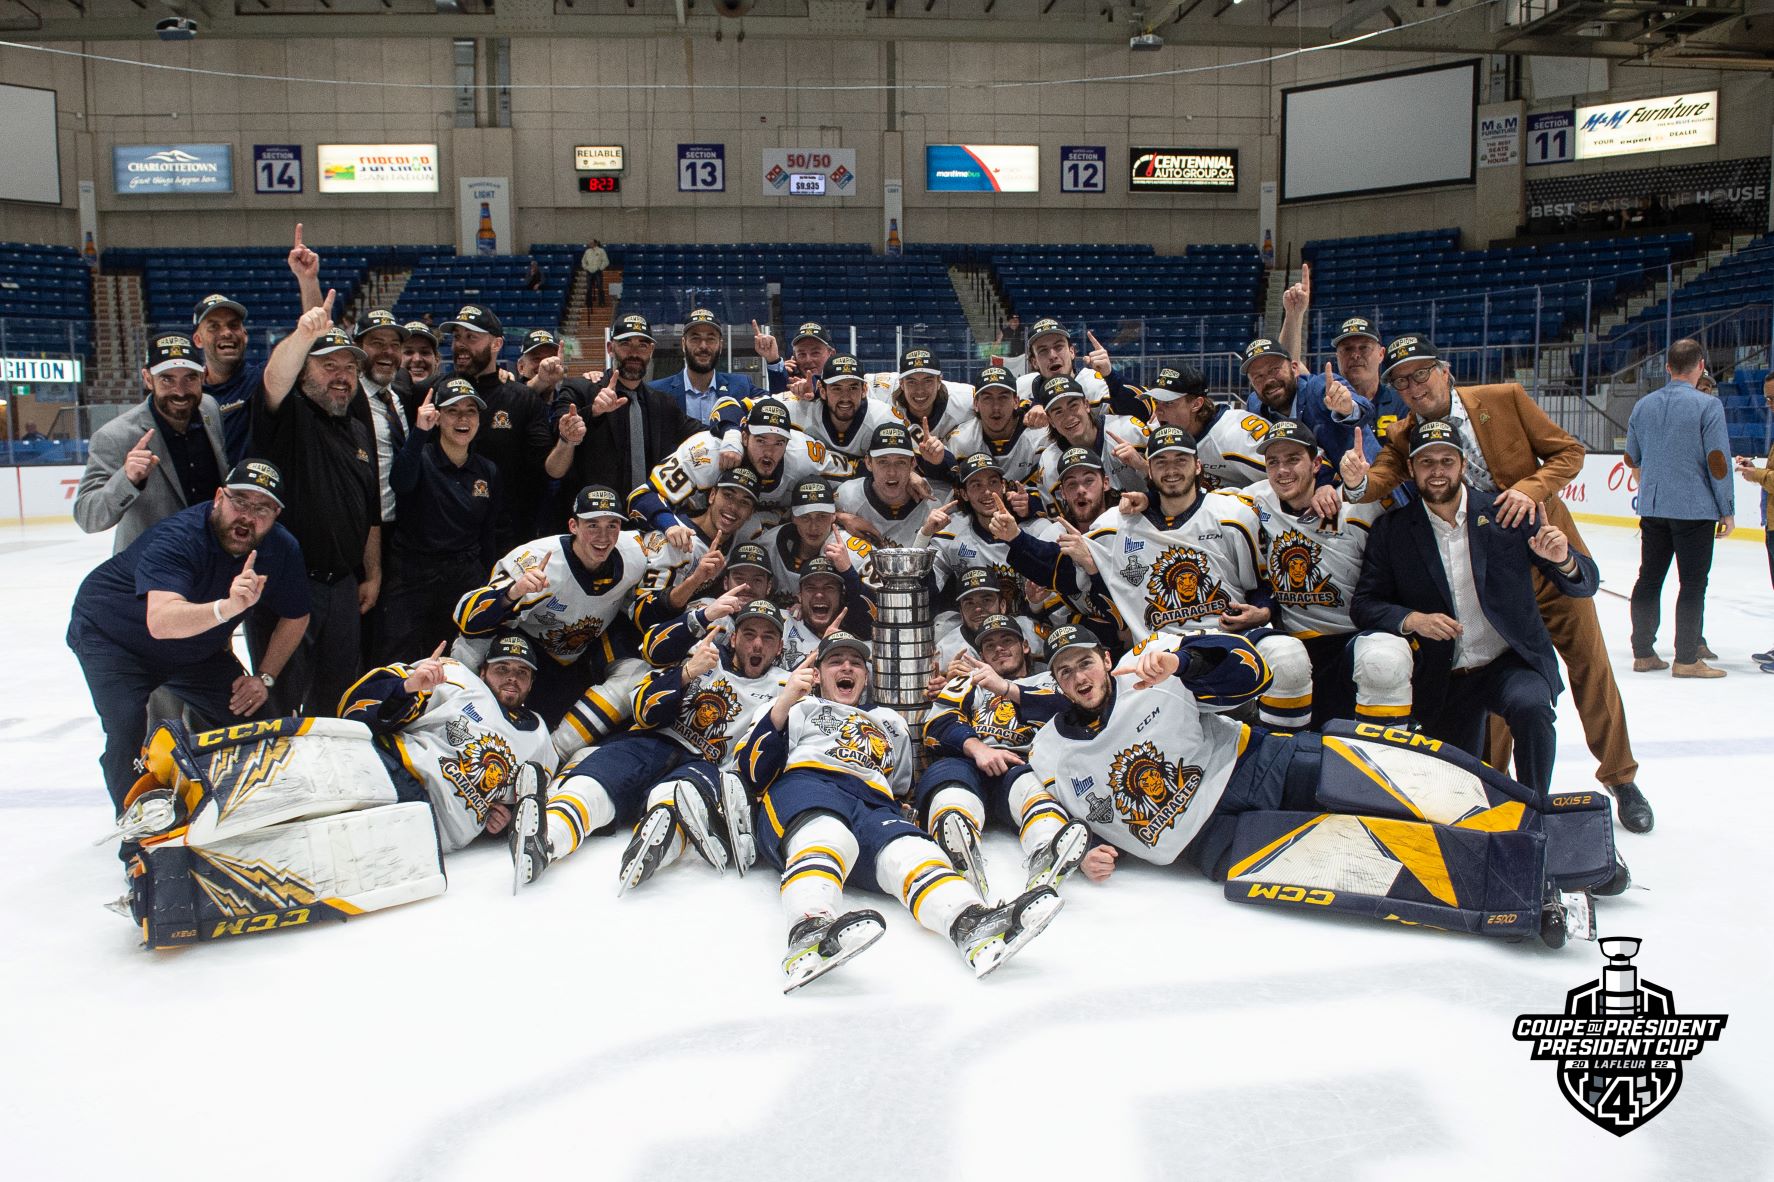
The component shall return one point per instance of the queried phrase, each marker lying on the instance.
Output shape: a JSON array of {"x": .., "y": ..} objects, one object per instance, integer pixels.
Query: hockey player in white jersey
[
  {"x": 997, "y": 428},
  {"x": 1051, "y": 354},
  {"x": 1313, "y": 563},
  {"x": 882, "y": 506},
  {"x": 831, "y": 597},
  {"x": 980, "y": 594},
  {"x": 574, "y": 595},
  {"x": 672, "y": 770},
  {"x": 803, "y": 537},
  {"x": 961, "y": 539},
  {"x": 923, "y": 401},
  {"x": 1226, "y": 443},
  {"x": 978, "y": 733},
  {"x": 1364, "y": 819},
  {"x": 463, "y": 738},
  {"x": 842, "y": 417},
  {"x": 830, "y": 772},
  {"x": 1117, "y": 440},
  {"x": 768, "y": 444}
]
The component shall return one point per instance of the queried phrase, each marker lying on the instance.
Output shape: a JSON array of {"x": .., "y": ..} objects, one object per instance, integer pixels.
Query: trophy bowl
[
  {"x": 902, "y": 562},
  {"x": 1619, "y": 947}
]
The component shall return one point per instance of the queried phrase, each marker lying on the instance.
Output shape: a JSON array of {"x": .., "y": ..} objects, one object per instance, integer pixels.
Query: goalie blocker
[{"x": 270, "y": 825}]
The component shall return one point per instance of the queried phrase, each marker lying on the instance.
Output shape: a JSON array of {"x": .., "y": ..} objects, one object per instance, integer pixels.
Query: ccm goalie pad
[
  {"x": 1422, "y": 833},
  {"x": 270, "y": 825}
]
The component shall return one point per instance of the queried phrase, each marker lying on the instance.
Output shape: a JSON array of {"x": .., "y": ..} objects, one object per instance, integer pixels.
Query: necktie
[{"x": 397, "y": 429}]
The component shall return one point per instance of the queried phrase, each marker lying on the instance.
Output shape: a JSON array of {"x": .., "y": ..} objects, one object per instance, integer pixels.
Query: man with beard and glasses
[
  {"x": 159, "y": 456},
  {"x": 1359, "y": 354},
  {"x": 1451, "y": 572},
  {"x": 302, "y": 423},
  {"x": 781, "y": 456},
  {"x": 883, "y": 506},
  {"x": 830, "y": 772},
  {"x": 615, "y": 432},
  {"x": 1339, "y": 418},
  {"x": 514, "y": 424},
  {"x": 1516, "y": 452},
  {"x": 674, "y": 770},
  {"x": 701, "y": 384},
  {"x": 162, "y": 612},
  {"x": 381, "y": 336}
]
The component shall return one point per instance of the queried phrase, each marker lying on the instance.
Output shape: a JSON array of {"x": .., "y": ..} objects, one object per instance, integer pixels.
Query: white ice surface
[{"x": 1155, "y": 1031}]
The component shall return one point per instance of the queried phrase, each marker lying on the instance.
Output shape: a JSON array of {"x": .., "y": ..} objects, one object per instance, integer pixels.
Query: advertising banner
[
  {"x": 172, "y": 168},
  {"x": 1182, "y": 170},
  {"x": 483, "y": 215},
  {"x": 1734, "y": 192},
  {"x": 1648, "y": 125},
  {"x": 1499, "y": 140},
  {"x": 378, "y": 168},
  {"x": 809, "y": 172},
  {"x": 982, "y": 168}
]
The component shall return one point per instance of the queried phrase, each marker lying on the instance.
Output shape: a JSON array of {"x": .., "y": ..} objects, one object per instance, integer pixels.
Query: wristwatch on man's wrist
[{"x": 268, "y": 680}]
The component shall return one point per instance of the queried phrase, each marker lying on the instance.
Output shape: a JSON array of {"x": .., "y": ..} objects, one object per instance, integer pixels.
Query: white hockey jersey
[
  {"x": 1227, "y": 450},
  {"x": 1096, "y": 390},
  {"x": 782, "y": 544},
  {"x": 716, "y": 711},
  {"x": 1120, "y": 475},
  {"x": 963, "y": 545},
  {"x": 568, "y": 618},
  {"x": 1313, "y": 564},
  {"x": 872, "y": 745},
  {"x": 997, "y": 722},
  {"x": 813, "y": 418},
  {"x": 1179, "y": 578},
  {"x": 951, "y": 638},
  {"x": 1150, "y": 776},
  {"x": 898, "y": 527},
  {"x": 695, "y": 467},
  {"x": 465, "y": 750},
  {"x": 1019, "y": 456},
  {"x": 956, "y": 412}
]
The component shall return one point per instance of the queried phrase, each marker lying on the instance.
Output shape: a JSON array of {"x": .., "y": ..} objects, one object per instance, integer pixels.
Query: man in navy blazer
[
  {"x": 1446, "y": 572},
  {"x": 699, "y": 385}
]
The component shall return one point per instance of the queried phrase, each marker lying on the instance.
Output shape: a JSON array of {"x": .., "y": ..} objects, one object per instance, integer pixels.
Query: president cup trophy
[{"x": 905, "y": 641}]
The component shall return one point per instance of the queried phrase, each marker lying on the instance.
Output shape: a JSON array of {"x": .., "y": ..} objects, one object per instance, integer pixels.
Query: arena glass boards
[
  {"x": 29, "y": 146},
  {"x": 1411, "y": 129}
]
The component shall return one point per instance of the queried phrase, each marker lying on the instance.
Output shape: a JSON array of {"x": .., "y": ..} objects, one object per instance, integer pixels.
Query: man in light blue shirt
[
  {"x": 1676, "y": 438},
  {"x": 700, "y": 384}
]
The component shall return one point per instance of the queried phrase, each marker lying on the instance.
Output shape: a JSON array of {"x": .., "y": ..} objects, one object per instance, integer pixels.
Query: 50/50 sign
[{"x": 702, "y": 168}]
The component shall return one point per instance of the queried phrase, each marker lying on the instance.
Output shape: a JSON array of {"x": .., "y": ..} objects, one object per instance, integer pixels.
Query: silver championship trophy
[{"x": 904, "y": 636}]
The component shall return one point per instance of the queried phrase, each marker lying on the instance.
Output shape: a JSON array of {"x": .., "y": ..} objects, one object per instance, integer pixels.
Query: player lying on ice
[
  {"x": 1363, "y": 819},
  {"x": 280, "y": 823},
  {"x": 830, "y": 771}
]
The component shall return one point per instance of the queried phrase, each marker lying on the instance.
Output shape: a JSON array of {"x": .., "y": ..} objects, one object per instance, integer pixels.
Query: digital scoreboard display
[{"x": 600, "y": 184}]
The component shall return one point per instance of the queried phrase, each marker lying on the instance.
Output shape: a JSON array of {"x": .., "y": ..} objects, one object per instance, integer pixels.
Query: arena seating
[
  {"x": 1743, "y": 277},
  {"x": 1391, "y": 278},
  {"x": 175, "y": 278},
  {"x": 442, "y": 282},
  {"x": 45, "y": 300},
  {"x": 1746, "y": 414}
]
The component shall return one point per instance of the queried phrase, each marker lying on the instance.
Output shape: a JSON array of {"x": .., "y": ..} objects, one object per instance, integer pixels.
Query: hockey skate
[
  {"x": 736, "y": 812},
  {"x": 957, "y": 837},
  {"x": 529, "y": 846},
  {"x": 989, "y": 936},
  {"x": 694, "y": 805},
  {"x": 149, "y": 814},
  {"x": 1049, "y": 865},
  {"x": 646, "y": 849},
  {"x": 1566, "y": 915},
  {"x": 819, "y": 944}
]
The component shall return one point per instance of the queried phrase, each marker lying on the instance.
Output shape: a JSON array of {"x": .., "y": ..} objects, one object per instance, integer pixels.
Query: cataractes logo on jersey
[
  {"x": 1150, "y": 791},
  {"x": 1293, "y": 569},
  {"x": 1182, "y": 588},
  {"x": 1619, "y": 1045}
]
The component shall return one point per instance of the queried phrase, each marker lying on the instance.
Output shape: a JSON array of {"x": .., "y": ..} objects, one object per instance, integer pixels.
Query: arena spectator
[
  {"x": 1677, "y": 440},
  {"x": 594, "y": 262},
  {"x": 157, "y": 457}
]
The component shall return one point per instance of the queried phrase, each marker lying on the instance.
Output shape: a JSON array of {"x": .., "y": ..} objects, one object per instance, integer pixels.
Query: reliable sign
[
  {"x": 597, "y": 158},
  {"x": 1648, "y": 125},
  {"x": 1182, "y": 170}
]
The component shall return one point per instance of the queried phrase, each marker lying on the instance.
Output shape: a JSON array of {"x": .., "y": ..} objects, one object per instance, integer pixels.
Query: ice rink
[{"x": 1154, "y": 1031}]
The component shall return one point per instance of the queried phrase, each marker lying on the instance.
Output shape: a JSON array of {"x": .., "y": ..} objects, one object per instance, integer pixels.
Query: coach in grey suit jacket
[{"x": 107, "y": 495}]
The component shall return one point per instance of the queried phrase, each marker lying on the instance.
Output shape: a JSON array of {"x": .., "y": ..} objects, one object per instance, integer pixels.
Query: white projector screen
[
  {"x": 28, "y": 144},
  {"x": 1381, "y": 134}
]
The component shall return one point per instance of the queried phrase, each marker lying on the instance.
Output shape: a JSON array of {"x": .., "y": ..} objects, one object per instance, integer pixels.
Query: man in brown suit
[{"x": 1526, "y": 459}]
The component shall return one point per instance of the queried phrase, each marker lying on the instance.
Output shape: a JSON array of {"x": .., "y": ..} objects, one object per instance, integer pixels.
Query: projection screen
[
  {"x": 28, "y": 144},
  {"x": 1408, "y": 130}
]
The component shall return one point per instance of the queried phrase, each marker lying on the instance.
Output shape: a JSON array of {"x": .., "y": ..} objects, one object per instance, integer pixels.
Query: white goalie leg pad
[
  {"x": 1382, "y": 665},
  {"x": 351, "y": 862},
  {"x": 1288, "y": 703},
  {"x": 816, "y": 860},
  {"x": 915, "y": 871},
  {"x": 311, "y": 767}
]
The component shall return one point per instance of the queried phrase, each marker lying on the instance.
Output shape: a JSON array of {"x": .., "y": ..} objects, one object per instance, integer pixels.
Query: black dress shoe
[{"x": 1631, "y": 807}]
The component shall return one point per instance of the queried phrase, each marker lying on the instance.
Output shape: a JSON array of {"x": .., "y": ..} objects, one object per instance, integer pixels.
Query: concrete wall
[{"x": 944, "y": 96}]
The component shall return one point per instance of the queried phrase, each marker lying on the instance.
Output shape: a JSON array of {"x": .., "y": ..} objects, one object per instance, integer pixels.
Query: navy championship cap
[
  {"x": 1168, "y": 439},
  {"x": 968, "y": 467},
  {"x": 210, "y": 303},
  {"x": 511, "y": 646},
  {"x": 1069, "y": 636},
  {"x": 475, "y": 318},
  {"x": 1288, "y": 431},
  {"x": 1408, "y": 348},
  {"x": 539, "y": 338},
  {"x": 260, "y": 476},
  {"x": 976, "y": 579},
  {"x": 377, "y": 318},
  {"x": 1079, "y": 457},
  {"x": 759, "y": 609},
  {"x": 812, "y": 496},
  {"x": 1046, "y": 326},
  {"x": 843, "y": 367},
  {"x": 841, "y": 640},
  {"x": 631, "y": 326},
  {"x": 594, "y": 501},
  {"x": 418, "y": 328},
  {"x": 1258, "y": 349},
  {"x": 994, "y": 377},
  {"x": 173, "y": 351},
  {"x": 1435, "y": 433},
  {"x": 703, "y": 316},
  {"x": 1355, "y": 326},
  {"x": 1175, "y": 383},
  {"x": 749, "y": 554},
  {"x": 1060, "y": 388},
  {"x": 455, "y": 390},
  {"x": 919, "y": 360},
  {"x": 819, "y": 566},
  {"x": 811, "y": 331},
  {"x": 891, "y": 439},
  {"x": 997, "y": 622},
  {"x": 768, "y": 416},
  {"x": 334, "y": 340},
  {"x": 742, "y": 479}
]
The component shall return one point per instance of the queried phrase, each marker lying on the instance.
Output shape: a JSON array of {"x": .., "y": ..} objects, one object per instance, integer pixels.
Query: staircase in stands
[
  {"x": 976, "y": 287},
  {"x": 1693, "y": 268},
  {"x": 119, "y": 341},
  {"x": 585, "y": 326},
  {"x": 381, "y": 288}
]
